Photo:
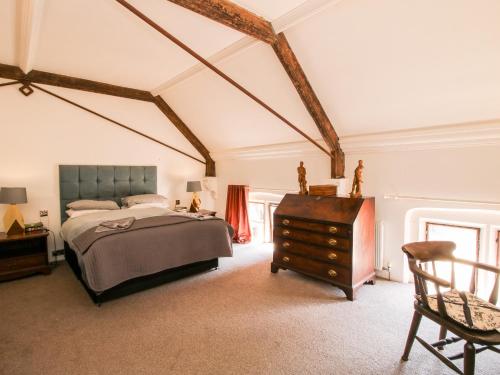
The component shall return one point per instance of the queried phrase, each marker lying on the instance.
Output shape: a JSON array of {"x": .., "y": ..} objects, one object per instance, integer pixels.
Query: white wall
[
  {"x": 40, "y": 132},
  {"x": 465, "y": 174}
]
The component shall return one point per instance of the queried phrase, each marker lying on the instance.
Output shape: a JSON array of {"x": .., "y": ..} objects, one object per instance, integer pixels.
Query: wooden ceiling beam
[
  {"x": 59, "y": 80},
  {"x": 187, "y": 133},
  {"x": 232, "y": 15},
  {"x": 11, "y": 72},
  {"x": 311, "y": 102}
]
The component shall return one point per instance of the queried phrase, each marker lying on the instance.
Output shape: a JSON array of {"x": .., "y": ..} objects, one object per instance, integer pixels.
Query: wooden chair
[{"x": 463, "y": 314}]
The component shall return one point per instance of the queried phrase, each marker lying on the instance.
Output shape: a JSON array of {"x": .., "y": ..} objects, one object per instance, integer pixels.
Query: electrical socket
[{"x": 44, "y": 213}]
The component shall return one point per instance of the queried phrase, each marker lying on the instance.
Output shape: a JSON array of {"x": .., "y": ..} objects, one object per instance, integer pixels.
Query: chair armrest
[
  {"x": 429, "y": 277},
  {"x": 484, "y": 266}
]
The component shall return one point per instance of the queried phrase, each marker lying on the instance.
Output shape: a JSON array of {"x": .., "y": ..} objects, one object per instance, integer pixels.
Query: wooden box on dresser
[
  {"x": 23, "y": 254},
  {"x": 329, "y": 238}
]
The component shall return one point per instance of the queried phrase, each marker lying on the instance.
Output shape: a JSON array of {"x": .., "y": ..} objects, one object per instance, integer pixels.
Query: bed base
[{"x": 139, "y": 283}]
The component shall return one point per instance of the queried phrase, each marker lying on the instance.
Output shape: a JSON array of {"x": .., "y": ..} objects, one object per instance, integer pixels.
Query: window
[
  {"x": 272, "y": 208},
  {"x": 256, "y": 216},
  {"x": 261, "y": 220},
  {"x": 467, "y": 241}
]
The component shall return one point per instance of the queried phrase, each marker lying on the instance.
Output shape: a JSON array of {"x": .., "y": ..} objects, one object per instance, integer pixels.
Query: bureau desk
[{"x": 329, "y": 238}]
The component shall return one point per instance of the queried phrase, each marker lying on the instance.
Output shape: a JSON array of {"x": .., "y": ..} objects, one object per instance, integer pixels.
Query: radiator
[{"x": 379, "y": 245}]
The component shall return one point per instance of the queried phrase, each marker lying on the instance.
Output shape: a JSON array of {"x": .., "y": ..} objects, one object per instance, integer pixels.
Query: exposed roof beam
[
  {"x": 11, "y": 72},
  {"x": 298, "y": 77},
  {"x": 60, "y": 80},
  {"x": 231, "y": 15},
  {"x": 29, "y": 18},
  {"x": 182, "y": 127},
  {"x": 311, "y": 102}
]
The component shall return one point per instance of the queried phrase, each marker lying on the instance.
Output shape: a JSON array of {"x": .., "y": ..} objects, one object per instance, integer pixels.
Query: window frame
[
  {"x": 478, "y": 233},
  {"x": 271, "y": 219},
  {"x": 475, "y": 279},
  {"x": 263, "y": 222}
]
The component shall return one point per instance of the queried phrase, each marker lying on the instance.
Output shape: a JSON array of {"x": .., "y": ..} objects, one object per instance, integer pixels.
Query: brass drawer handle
[
  {"x": 332, "y": 241},
  {"x": 333, "y": 229},
  {"x": 286, "y": 222},
  {"x": 332, "y": 256},
  {"x": 286, "y": 259},
  {"x": 286, "y": 244},
  {"x": 332, "y": 273},
  {"x": 286, "y": 232}
]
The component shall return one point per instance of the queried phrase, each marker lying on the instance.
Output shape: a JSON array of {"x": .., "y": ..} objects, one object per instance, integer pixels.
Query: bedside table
[{"x": 23, "y": 254}]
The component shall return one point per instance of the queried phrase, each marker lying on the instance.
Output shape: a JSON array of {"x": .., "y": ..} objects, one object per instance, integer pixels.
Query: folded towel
[{"x": 119, "y": 224}]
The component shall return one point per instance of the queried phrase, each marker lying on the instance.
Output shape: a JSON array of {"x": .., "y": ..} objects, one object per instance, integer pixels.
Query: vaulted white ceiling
[
  {"x": 101, "y": 40},
  {"x": 8, "y": 32},
  {"x": 375, "y": 65}
]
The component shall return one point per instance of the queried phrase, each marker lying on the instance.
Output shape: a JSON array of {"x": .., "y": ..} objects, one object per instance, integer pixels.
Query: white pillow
[
  {"x": 88, "y": 204},
  {"x": 76, "y": 213},
  {"x": 147, "y": 205}
]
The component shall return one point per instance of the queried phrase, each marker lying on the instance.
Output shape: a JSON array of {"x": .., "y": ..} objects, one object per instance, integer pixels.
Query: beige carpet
[{"x": 240, "y": 319}]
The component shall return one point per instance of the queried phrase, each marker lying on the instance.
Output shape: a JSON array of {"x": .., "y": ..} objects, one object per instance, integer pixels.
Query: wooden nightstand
[{"x": 23, "y": 254}]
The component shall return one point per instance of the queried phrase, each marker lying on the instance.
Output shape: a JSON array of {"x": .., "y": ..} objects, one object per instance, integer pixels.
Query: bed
[{"x": 163, "y": 245}]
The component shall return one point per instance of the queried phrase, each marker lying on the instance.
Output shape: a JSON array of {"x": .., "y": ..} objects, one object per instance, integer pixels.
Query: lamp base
[
  {"x": 13, "y": 221},
  {"x": 196, "y": 203}
]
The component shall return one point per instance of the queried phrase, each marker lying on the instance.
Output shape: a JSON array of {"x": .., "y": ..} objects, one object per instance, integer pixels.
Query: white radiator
[{"x": 379, "y": 245}]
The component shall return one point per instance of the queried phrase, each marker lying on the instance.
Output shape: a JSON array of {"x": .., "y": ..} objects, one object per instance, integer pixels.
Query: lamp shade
[
  {"x": 193, "y": 186},
  {"x": 13, "y": 195}
]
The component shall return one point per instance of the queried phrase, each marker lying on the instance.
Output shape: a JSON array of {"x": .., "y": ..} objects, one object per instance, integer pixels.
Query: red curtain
[{"x": 237, "y": 212}]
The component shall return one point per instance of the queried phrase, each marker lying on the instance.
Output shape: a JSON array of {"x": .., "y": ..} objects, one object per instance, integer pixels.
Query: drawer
[
  {"x": 312, "y": 267},
  {"x": 340, "y": 230},
  {"x": 323, "y": 254},
  {"x": 17, "y": 263},
  {"x": 329, "y": 241}
]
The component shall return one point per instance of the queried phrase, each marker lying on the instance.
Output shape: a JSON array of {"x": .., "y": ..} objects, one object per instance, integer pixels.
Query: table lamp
[
  {"x": 194, "y": 187},
  {"x": 13, "y": 221}
]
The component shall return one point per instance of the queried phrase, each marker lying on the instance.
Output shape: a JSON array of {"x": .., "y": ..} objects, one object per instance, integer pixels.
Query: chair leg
[
  {"x": 415, "y": 323},
  {"x": 469, "y": 358},
  {"x": 442, "y": 335}
]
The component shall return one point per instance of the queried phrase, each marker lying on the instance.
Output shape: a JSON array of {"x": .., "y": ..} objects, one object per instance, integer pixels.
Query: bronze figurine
[
  {"x": 357, "y": 181},
  {"x": 301, "y": 170}
]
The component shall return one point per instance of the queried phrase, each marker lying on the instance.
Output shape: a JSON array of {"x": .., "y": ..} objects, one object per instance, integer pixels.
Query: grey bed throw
[
  {"x": 84, "y": 241},
  {"x": 148, "y": 246}
]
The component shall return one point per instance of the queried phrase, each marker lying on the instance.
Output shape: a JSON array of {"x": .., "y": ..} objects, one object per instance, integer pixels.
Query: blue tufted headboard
[{"x": 103, "y": 182}]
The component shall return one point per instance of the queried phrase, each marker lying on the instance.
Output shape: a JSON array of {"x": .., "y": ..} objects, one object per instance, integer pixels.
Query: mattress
[{"x": 160, "y": 239}]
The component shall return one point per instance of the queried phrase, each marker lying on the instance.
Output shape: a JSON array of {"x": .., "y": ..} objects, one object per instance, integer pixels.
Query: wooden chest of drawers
[{"x": 329, "y": 238}]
